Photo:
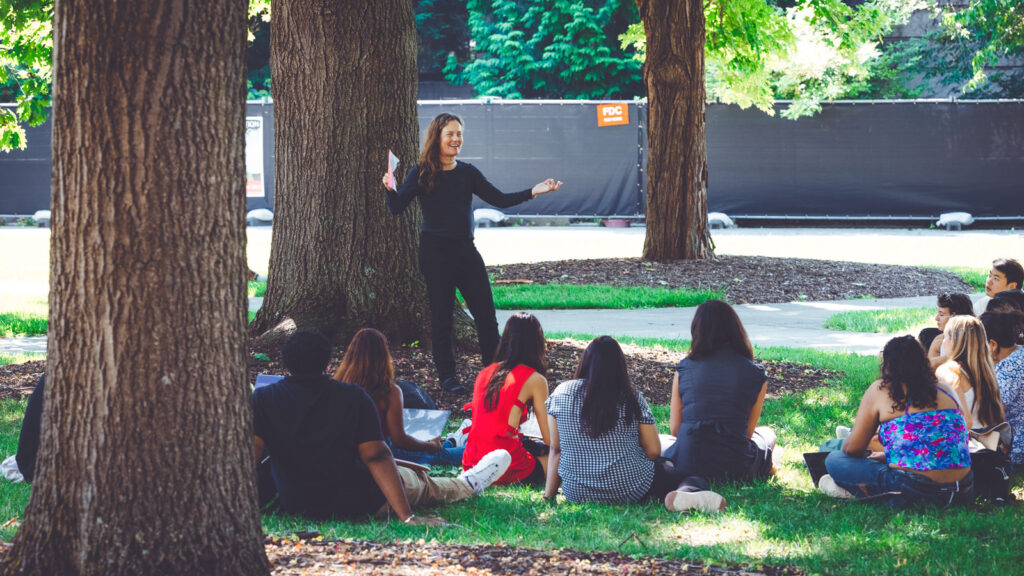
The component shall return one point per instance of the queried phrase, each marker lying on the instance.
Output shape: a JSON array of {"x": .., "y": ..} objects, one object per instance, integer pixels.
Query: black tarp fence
[{"x": 854, "y": 160}]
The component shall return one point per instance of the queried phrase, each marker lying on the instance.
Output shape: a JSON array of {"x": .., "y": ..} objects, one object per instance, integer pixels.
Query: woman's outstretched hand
[
  {"x": 549, "y": 185},
  {"x": 387, "y": 184}
]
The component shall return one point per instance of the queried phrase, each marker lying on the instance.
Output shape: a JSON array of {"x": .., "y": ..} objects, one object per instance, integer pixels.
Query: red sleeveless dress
[{"x": 490, "y": 430}]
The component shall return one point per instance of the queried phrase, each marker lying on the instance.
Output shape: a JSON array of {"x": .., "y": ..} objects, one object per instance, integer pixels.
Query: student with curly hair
[{"x": 923, "y": 433}]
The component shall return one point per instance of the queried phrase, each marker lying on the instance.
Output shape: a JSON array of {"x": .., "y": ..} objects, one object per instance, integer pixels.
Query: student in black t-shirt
[
  {"x": 448, "y": 258},
  {"x": 327, "y": 455}
]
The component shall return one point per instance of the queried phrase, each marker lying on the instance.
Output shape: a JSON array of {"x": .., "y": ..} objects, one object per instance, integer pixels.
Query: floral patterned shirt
[
  {"x": 928, "y": 440},
  {"x": 1010, "y": 374}
]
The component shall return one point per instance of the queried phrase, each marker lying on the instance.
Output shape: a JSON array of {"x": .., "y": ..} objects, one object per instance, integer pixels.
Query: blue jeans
[
  {"x": 870, "y": 479},
  {"x": 446, "y": 457}
]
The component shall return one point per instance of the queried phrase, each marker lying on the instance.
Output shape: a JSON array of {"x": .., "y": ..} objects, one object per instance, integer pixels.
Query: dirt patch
[
  {"x": 421, "y": 558},
  {"x": 745, "y": 279}
]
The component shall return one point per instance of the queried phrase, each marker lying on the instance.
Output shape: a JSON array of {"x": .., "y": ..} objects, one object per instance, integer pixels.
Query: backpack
[
  {"x": 992, "y": 469},
  {"x": 991, "y": 464}
]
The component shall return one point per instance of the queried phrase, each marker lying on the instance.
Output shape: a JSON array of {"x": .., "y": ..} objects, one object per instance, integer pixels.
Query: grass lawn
[
  {"x": 883, "y": 321},
  {"x": 974, "y": 276},
  {"x": 781, "y": 522},
  {"x": 564, "y": 296}
]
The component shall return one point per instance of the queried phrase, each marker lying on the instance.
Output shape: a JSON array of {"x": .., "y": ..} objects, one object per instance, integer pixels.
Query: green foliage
[
  {"x": 443, "y": 30},
  {"x": 257, "y": 288},
  {"x": 22, "y": 324},
  {"x": 25, "y": 70},
  {"x": 813, "y": 51},
  {"x": 881, "y": 321},
  {"x": 565, "y": 296},
  {"x": 551, "y": 49}
]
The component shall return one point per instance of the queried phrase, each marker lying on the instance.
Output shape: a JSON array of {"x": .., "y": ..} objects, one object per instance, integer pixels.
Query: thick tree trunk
[
  {"x": 344, "y": 93},
  {"x": 146, "y": 461},
  {"x": 677, "y": 169}
]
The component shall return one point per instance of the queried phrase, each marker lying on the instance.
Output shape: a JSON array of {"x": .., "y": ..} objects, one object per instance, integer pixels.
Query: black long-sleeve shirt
[{"x": 447, "y": 210}]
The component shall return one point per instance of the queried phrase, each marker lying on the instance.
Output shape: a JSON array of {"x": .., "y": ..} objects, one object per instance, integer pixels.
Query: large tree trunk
[
  {"x": 677, "y": 169},
  {"x": 146, "y": 459},
  {"x": 344, "y": 93}
]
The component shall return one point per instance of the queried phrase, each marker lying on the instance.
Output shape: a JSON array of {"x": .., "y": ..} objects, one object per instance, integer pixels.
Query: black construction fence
[{"x": 855, "y": 160}]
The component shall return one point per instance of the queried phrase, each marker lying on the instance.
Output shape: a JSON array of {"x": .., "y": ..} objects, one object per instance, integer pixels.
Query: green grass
[
  {"x": 882, "y": 321},
  {"x": 780, "y": 522},
  {"x": 976, "y": 277},
  {"x": 22, "y": 324},
  {"x": 257, "y": 288},
  {"x": 566, "y": 296}
]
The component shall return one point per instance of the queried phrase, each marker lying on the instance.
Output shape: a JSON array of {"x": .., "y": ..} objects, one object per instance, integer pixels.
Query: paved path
[{"x": 794, "y": 324}]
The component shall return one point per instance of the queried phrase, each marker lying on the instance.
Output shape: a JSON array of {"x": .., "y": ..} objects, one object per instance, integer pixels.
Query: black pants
[
  {"x": 447, "y": 264},
  {"x": 667, "y": 479}
]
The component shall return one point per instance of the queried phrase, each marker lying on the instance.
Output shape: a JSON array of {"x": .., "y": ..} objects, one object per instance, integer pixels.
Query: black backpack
[{"x": 992, "y": 470}]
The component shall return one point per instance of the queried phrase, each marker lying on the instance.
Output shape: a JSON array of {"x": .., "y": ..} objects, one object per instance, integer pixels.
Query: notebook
[{"x": 423, "y": 425}]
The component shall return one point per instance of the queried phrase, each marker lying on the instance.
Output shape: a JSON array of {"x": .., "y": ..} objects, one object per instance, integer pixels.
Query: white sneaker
[
  {"x": 842, "y": 431},
  {"x": 829, "y": 487},
  {"x": 487, "y": 470},
  {"x": 705, "y": 500},
  {"x": 458, "y": 438}
]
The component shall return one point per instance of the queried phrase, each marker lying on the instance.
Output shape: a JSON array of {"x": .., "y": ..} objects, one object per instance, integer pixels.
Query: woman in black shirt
[{"x": 448, "y": 258}]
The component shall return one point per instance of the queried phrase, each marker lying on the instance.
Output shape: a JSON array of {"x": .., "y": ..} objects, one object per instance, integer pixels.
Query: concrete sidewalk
[{"x": 794, "y": 324}]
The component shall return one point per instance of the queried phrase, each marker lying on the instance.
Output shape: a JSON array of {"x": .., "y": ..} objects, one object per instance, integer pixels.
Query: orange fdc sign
[{"x": 612, "y": 114}]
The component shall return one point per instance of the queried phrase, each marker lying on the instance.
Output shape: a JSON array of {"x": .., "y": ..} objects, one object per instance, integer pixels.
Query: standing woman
[
  {"x": 448, "y": 258},
  {"x": 717, "y": 395}
]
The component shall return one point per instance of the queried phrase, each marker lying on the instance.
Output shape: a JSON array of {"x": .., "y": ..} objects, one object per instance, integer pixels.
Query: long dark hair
[
  {"x": 367, "y": 363},
  {"x": 430, "y": 155},
  {"x": 715, "y": 326},
  {"x": 522, "y": 342},
  {"x": 907, "y": 373},
  {"x": 606, "y": 386}
]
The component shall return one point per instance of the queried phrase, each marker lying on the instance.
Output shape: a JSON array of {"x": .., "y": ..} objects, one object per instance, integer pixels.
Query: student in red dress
[{"x": 501, "y": 395}]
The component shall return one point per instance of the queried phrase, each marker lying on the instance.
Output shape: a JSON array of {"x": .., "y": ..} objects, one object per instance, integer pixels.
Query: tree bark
[
  {"x": 344, "y": 93},
  {"x": 146, "y": 460},
  {"x": 677, "y": 169}
]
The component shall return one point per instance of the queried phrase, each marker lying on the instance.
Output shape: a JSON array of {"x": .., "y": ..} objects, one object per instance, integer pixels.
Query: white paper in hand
[{"x": 392, "y": 164}]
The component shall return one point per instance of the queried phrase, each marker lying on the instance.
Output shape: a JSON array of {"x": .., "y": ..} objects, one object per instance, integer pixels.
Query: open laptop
[{"x": 423, "y": 425}]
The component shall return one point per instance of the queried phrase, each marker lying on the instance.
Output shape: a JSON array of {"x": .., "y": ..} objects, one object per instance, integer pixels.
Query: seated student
[
  {"x": 367, "y": 364},
  {"x": 327, "y": 455},
  {"x": 28, "y": 439},
  {"x": 1002, "y": 331},
  {"x": 969, "y": 372},
  {"x": 717, "y": 395},
  {"x": 922, "y": 431},
  {"x": 604, "y": 441},
  {"x": 501, "y": 394},
  {"x": 1006, "y": 274},
  {"x": 949, "y": 305}
]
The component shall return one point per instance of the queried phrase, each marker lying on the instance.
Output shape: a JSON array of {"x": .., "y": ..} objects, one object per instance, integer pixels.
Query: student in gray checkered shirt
[{"x": 604, "y": 442}]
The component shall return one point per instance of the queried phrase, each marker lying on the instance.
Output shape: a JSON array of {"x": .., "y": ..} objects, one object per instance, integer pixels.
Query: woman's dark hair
[
  {"x": 1006, "y": 301},
  {"x": 606, "y": 386},
  {"x": 1003, "y": 327},
  {"x": 907, "y": 373},
  {"x": 522, "y": 342},
  {"x": 306, "y": 352},
  {"x": 716, "y": 326},
  {"x": 430, "y": 155},
  {"x": 1011, "y": 269},
  {"x": 367, "y": 363},
  {"x": 958, "y": 304}
]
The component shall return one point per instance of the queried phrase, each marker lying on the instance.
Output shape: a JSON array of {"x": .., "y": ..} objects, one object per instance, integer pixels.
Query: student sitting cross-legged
[
  {"x": 717, "y": 395},
  {"x": 604, "y": 441},
  {"x": 922, "y": 431},
  {"x": 328, "y": 457},
  {"x": 367, "y": 364}
]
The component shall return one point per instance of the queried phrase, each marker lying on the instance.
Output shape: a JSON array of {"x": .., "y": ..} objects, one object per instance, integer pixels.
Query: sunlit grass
[
  {"x": 567, "y": 296},
  {"x": 882, "y": 321}
]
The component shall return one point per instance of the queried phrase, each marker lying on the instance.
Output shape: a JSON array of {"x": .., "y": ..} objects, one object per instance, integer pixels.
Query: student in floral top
[
  {"x": 922, "y": 430},
  {"x": 1003, "y": 330}
]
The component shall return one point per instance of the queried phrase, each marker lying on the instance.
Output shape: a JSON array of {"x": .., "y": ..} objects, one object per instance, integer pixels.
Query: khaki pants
[{"x": 422, "y": 490}]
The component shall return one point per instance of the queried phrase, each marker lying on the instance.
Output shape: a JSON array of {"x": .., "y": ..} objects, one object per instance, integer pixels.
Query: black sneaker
[{"x": 451, "y": 385}]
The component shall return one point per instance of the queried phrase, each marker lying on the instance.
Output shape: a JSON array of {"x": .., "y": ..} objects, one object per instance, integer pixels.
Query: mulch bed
[
  {"x": 745, "y": 279},
  {"x": 421, "y": 558},
  {"x": 18, "y": 380}
]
